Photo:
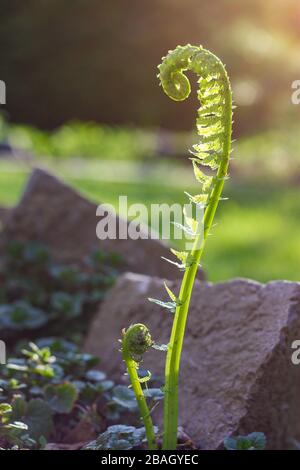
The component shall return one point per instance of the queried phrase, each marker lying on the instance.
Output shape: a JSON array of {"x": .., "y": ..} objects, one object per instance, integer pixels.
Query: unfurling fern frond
[
  {"x": 215, "y": 112},
  {"x": 213, "y": 124},
  {"x": 210, "y": 158}
]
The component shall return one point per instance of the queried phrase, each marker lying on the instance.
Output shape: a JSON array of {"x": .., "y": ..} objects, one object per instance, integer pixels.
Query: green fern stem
[
  {"x": 135, "y": 341},
  {"x": 215, "y": 123}
]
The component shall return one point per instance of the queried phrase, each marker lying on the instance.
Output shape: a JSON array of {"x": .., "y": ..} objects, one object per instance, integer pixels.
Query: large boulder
[
  {"x": 236, "y": 374},
  {"x": 55, "y": 214}
]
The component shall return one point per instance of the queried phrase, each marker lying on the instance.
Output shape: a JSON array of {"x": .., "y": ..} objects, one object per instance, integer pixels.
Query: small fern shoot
[{"x": 136, "y": 340}]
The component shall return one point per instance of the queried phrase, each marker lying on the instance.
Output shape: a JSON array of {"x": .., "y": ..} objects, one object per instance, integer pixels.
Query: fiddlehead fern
[
  {"x": 214, "y": 124},
  {"x": 135, "y": 342}
]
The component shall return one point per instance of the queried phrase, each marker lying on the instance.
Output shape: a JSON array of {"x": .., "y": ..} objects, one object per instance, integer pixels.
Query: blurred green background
[{"x": 83, "y": 100}]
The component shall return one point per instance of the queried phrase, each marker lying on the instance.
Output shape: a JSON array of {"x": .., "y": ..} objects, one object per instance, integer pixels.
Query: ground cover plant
[
  {"x": 214, "y": 125},
  {"x": 39, "y": 296},
  {"x": 51, "y": 392},
  {"x": 48, "y": 387},
  {"x": 52, "y": 396}
]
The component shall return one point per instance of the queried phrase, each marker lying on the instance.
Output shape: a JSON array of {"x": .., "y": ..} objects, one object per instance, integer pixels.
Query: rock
[
  {"x": 236, "y": 374},
  {"x": 4, "y": 212},
  {"x": 54, "y": 214}
]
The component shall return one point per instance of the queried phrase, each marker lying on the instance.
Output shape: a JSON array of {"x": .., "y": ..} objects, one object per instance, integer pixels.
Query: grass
[
  {"x": 272, "y": 153},
  {"x": 257, "y": 229}
]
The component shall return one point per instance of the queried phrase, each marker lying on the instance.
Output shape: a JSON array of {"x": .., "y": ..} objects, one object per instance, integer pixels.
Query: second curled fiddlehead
[{"x": 136, "y": 340}]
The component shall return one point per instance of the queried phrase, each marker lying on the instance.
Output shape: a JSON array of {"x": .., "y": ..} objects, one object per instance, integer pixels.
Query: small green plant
[
  {"x": 118, "y": 437},
  {"x": 9, "y": 428},
  {"x": 135, "y": 342},
  {"x": 253, "y": 441},
  {"x": 214, "y": 126},
  {"x": 41, "y": 383}
]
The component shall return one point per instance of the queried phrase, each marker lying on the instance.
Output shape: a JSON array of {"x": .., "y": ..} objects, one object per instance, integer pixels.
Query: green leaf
[
  {"x": 230, "y": 443},
  {"x": 17, "y": 425},
  {"x": 66, "y": 304},
  {"x": 19, "y": 408},
  {"x": 258, "y": 440},
  {"x": 15, "y": 249},
  {"x": 171, "y": 306},
  {"x": 61, "y": 397},
  {"x": 124, "y": 397},
  {"x": 243, "y": 443},
  {"x": 178, "y": 265},
  {"x": 38, "y": 418},
  {"x": 146, "y": 377},
  {"x": 105, "y": 385},
  {"x": 186, "y": 229},
  {"x": 171, "y": 294},
  {"x": 199, "y": 199},
  {"x": 181, "y": 255},
  {"x": 191, "y": 222},
  {"x": 204, "y": 179},
  {"x": 66, "y": 274},
  {"x": 95, "y": 375},
  {"x": 5, "y": 408},
  {"x": 56, "y": 345},
  {"x": 208, "y": 154},
  {"x": 156, "y": 394},
  {"x": 42, "y": 442},
  {"x": 45, "y": 370},
  {"x": 36, "y": 414},
  {"x": 253, "y": 441},
  {"x": 36, "y": 253},
  {"x": 184, "y": 256},
  {"x": 20, "y": 316},
  {"x": 118, "y": 437}
]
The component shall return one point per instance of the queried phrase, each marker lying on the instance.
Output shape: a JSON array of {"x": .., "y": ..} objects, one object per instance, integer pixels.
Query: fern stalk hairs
[{"x": 214, "y": 126}]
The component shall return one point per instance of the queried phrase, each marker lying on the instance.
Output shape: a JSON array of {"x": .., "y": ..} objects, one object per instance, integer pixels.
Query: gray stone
[
  {"x": 236, "y": 374},
  {"x": 53, "y": 213},
  {"x": 4, "y": 212}
]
